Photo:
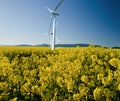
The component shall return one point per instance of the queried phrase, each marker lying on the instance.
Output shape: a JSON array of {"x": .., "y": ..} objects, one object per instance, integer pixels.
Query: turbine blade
[
  {"x": 49, "y": 10},
  {"x": 49, "y": 31},
  {"x": 58, "y": 5},
  {"x": 57, "y": 40},
  {"x": 56, "y": 24},
  {"x": 45, "y": 34}
]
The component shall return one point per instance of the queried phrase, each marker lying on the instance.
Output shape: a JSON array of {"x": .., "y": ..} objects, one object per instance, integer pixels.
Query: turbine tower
[{"x": 52, "y": 29}]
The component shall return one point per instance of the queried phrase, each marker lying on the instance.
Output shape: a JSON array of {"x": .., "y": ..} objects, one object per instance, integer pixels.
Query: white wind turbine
[{"x": 52, "y": 29}]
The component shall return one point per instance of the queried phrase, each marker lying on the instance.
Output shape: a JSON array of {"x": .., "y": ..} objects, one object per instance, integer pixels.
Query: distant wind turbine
[{"x": 52, "y": 28}]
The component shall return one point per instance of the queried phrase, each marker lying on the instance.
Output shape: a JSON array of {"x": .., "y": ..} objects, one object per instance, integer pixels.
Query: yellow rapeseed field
[{"x": 29, "y": 73}]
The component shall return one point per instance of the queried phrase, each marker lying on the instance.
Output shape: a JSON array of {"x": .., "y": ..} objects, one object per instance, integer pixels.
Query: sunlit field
[{"x": 29, "y": 73}]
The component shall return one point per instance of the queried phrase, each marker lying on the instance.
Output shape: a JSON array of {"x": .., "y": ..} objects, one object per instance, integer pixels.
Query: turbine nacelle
[{"x": 52, "y": 12}]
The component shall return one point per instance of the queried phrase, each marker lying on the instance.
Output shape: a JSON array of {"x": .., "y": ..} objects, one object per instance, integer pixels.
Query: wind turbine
[{"x": 53, "y": 24}]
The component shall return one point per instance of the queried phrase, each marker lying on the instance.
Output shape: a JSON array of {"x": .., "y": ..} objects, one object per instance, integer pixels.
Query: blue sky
[{"x": 80, "y": 21}]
